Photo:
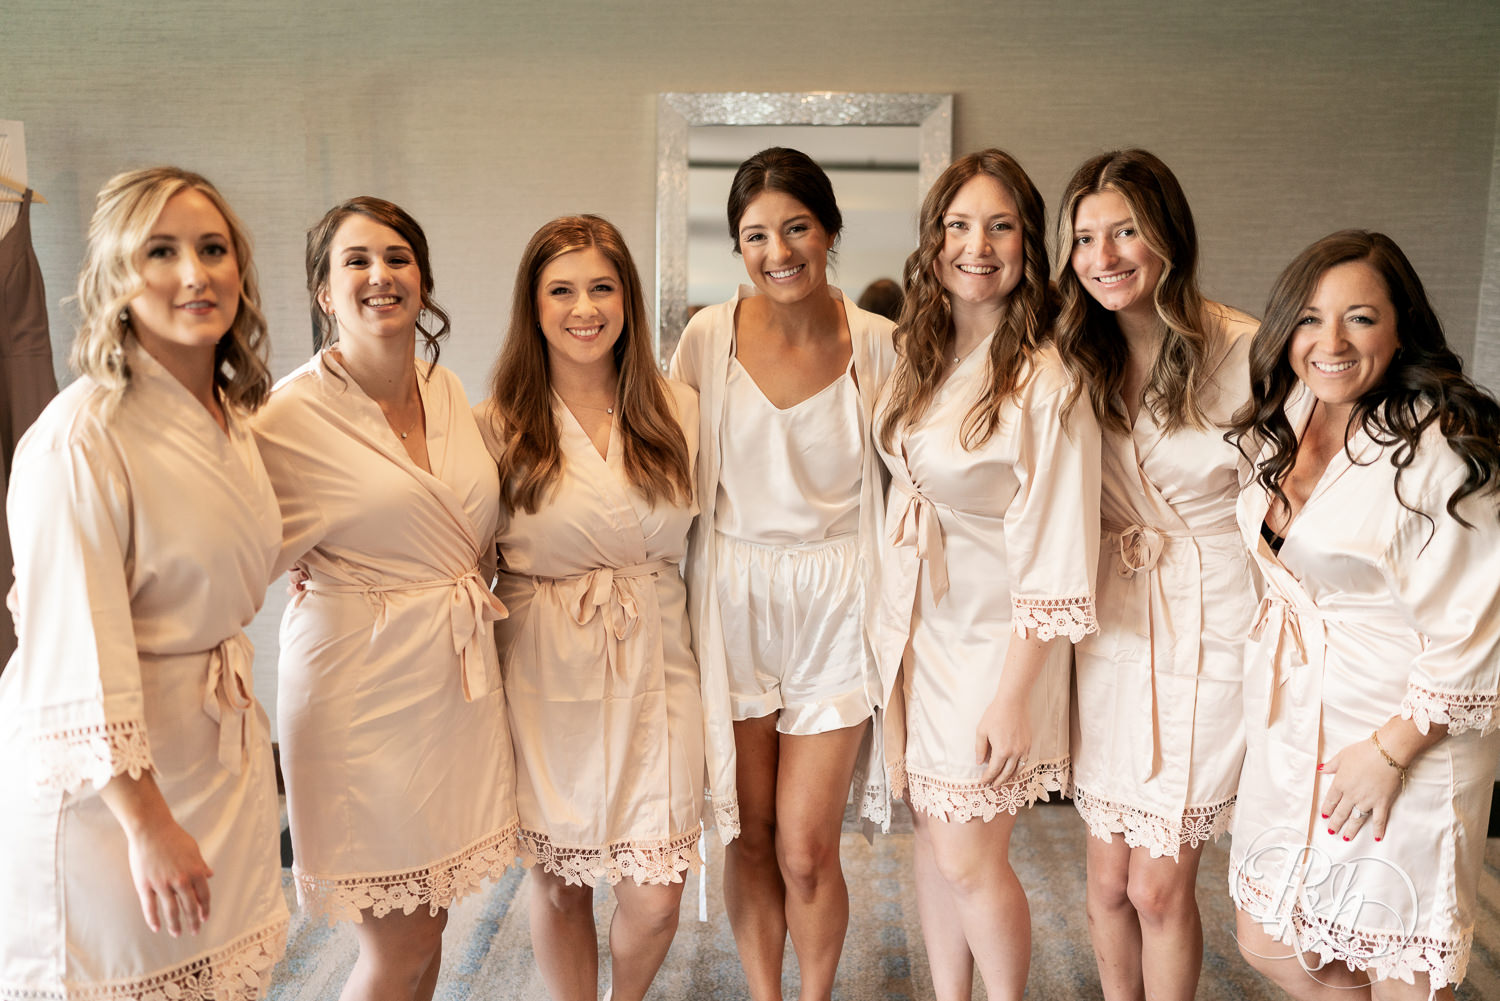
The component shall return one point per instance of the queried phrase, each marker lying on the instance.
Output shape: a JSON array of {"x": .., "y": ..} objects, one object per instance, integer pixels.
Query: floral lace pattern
[
  {"x": 437, "y": 886},
  {"x": 1459, "y": 710},
  {"x": 1163, "y": 836},
  {"x": 960, "y": 802},
  {"x": 1053, "y": 617},
  {"x": 727, "y": 819},
  {"x": 875, "y": 806},
  {"x": 70, "y": 759},
  {"x": 1386, "y": 955},
  {"x": 240, "y": 971},
  {"x": 658, "y": 862}
]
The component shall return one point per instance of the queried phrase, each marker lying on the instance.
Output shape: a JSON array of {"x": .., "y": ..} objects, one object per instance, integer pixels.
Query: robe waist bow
[
  {"x": 1157, "y": 562},
  {"x": 917, "y": 526},
  {"x": 608, "y": 592},
  {"x": 228, "y": 696},
  {"x": 471, "y": 608}
]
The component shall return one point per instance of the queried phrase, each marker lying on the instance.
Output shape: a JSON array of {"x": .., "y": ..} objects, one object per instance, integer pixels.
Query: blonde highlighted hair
[
  {"x": 530, "y": 459},
  {"x": 127, "y": 209}
]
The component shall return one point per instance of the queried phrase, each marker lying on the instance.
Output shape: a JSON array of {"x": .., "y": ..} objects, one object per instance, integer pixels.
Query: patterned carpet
[{"x": 487, "y": 951}]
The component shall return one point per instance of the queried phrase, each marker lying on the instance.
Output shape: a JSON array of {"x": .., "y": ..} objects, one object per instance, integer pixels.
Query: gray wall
[{"x": 1284, "y": 120}]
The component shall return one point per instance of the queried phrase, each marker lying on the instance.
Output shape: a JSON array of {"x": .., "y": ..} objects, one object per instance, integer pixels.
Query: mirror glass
[{"x": 882, "y": 152}]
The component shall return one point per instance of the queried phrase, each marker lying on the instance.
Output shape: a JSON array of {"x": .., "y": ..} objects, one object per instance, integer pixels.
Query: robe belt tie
[
  {"x": 918, "y": 526},
  {"x": 1141, "y": 549},
  {"x": 607, "y": 592},
  {"x": 471, "y": 607},
  {"x": 228, "y": 696},
  {"x": 1290, "y": 652}
]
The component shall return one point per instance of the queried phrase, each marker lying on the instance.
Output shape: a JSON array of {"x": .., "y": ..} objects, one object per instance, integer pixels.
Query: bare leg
[
  {"x": 1396, "y": 990},
  {"x": 972, "y": 859},
  {"x": 1334, "y": 982},
  {"x": 812, "y": 785},
  {"x": 399, "y": 955},
  {"x": 754, "y": 894},
  {"x": 640, "y": 933},
  {"x": 1113, "y": 925},
  {"x": 563, "y": 937},
  {"x": 948, "y": 955},
  {"x": 1163, "y": 892}
]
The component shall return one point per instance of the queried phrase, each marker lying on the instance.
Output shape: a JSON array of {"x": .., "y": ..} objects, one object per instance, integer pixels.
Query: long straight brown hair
[
  {"x": 926, "y": 325},
  {"x": 530, "y": 459}
]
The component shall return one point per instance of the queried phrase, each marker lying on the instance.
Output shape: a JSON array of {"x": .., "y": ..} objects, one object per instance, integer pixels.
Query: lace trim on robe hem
[
  {"x": 1385, "y": 955},
  {"x": 240, "y": 971},
  {"x": 961, "y": 802},
  {"x": 875, "y": 806},
  {"x": 1459, "y": 710},
  {"x": 727, "y": 819},
  {"x": 1198, "y": 824},
  {"x": 436, "y": 886},
  {"x": 658, "y": 862},
  {"x": 67, "y": 760},
  {"x": 1053, "y": 617}
]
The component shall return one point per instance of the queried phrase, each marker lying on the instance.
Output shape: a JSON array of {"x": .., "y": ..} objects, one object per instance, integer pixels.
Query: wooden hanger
[{"x": 20, "y": 190}]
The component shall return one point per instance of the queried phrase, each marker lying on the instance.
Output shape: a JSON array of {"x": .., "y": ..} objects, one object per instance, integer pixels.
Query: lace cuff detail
[
  {"x": 1386, "y": 955},
  {"x": 875, "y": 806},
  {"x": 437, "y": 886},
  {"x": 727, "y": 819},
  {"x": 69, "y": 759},
  {"x": 1459, "y": 710},
  {"x": 960, "y": 802},
  {"x": 1162, "y": 836},
  {"x": 659, "y": 862},
  {"x": 1053, "y": 617},
  {"x": 240, "y": 971}
]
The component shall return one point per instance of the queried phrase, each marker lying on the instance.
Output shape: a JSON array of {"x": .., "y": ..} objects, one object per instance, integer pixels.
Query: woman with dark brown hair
[
  {"x": 398, "y": 765},
  {"x": 595, "y": 453},
  {"x": 1157, "y": 742},
  {"x": 988, "y": 563},
  {"x": 1373, "y": 673}
]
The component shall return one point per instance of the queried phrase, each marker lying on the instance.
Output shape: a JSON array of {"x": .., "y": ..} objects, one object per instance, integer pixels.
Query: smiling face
[
  {"x": 1345, "y": 336},
  {"x": 192, "y": 279},
  {"x": 580, "y": 306},
  {"x": 1111, "y": 259},
  {"x": 374, "y": 286},
  {"x": 784, "y": 246},
  {"x": 981, "y": 261}
]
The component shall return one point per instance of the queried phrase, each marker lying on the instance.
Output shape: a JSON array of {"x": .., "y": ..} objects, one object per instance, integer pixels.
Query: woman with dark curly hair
[
  {"x": 1374, "y": 669},
  {"x": 399, "y": 776},
  {"x": 988, "y": 562},
  {"x": 1157, "y": 745}
]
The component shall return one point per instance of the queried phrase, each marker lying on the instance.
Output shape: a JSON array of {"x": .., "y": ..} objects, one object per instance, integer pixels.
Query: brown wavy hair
[
  {"x": 127, "y": 207},
  {"x": 320, "y": 251},
  {"x": 1088, "y": 336},
  {"x": 1424, "y": 385},
  {"x": 925, "y": 328},
  {"x": 530, "y": 459}
]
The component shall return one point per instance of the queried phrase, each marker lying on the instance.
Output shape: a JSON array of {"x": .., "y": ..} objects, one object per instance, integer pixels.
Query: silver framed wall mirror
[{"x": 882, "y": 152}]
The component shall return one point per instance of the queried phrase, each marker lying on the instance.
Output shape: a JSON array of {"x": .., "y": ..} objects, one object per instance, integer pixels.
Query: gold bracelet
[{"x": 1400, "y": 768}]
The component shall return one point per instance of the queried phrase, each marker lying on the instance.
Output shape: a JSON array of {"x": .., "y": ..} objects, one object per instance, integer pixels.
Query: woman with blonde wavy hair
[
  {"x": 595, "y": 453},
  {"x": 988, "y": 562},
  {"x": 140, "y": 827},
  {"x": 1158, "y": 738}
]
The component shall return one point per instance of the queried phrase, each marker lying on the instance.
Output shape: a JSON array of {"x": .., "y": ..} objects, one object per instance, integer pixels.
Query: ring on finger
[{"x": 1357, "y": 814}]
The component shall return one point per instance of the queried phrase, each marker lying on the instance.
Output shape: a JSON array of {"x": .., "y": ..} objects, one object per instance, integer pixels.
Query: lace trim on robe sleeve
[
  {"x": 727, "y": 819},
  {"x": 1459, "y": 710},
  {"x": 1053, "y": 617},
  {"x": 69, "y": 759}
]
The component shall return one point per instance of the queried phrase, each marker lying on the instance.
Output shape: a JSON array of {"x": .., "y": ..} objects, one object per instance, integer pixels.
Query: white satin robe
[
  {"x": 399, "y": 773},
  {"x": 1371, "y": 611},
  {"x": 143, "y": 540},
  {"x": 981, "y": 545},
  {"x": 602, "y": 685},
  {"x": 1158, "y": 733}
]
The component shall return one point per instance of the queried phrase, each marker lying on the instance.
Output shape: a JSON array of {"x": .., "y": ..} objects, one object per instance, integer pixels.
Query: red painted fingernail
[
  {"x": 1325, "y": 816},
  {"x": 1377, "y": 839},
  {"x": 1332, "y": 831},
  {"x": 1320, "y": 766},
  {"x": 1346, "y": 838}
]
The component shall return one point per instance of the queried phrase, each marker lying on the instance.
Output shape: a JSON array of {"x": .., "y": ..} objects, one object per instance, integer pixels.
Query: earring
[{"x": 125, "y": 315}]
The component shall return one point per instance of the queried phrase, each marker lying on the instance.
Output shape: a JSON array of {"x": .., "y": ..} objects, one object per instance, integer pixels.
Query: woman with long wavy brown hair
[
  {"x": 1373, "y": 674},
  {"x": 595, "y": 453},
  {"x": 1157, "y": 745},
  {"x": 987, "y": 568}
]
